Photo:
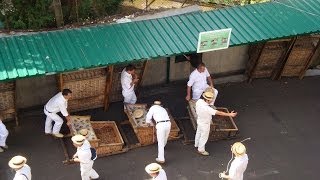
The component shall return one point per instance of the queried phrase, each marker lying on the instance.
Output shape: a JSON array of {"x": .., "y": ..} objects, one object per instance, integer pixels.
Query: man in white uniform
[
  {"x": 163, "y": 126},
  {"x": 3, "y": 136},
  {"x": 128, "y": 82},
  {"x": 23, "y": 171},
  {"x": 198, "y": 81},
  {"x": 239, "y": 164},
  {"x": 156, "y": 171},
  {"x": 83, "y": 156},
  {"x": 204, "y": 117},
  {"x": 57, "y": 103}
]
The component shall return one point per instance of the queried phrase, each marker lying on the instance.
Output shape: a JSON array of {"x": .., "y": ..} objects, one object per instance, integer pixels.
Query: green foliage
[
  {"x": 29, "y": 14},
  {"x": 89, "y": 9},
  {"x": 37, "y": 14}
]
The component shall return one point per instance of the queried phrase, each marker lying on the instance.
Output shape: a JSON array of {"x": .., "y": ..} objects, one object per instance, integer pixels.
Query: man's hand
[
  {"x": 76, "y": 159},
  {"x": 68, "y": 120},
  {"x": 223, "y": 175},
  {"x": 135, "y": 80},
  {"x": 188, "y": 97},
  {"x": 233, "y": 114}
]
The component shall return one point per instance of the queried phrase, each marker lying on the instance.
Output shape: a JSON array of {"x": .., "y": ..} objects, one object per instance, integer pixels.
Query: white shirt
[
  {"x": 126, "y": 80},
  {"x": 84, "y": 152},
  {"x": 204, "y": 112},
  {"x": 3, "y": 130},
  {"x": 158, "y": 113},
  {"x": 161, "y": 176},
  {"x": 198, "y": 80},
  {"x": 57, "y": 104},
  {"x": 26, "y": 170},
  {"x": 238, "y": 166}
]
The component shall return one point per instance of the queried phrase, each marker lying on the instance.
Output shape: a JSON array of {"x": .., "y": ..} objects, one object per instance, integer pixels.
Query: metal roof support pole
[{"x": 168, "y": 70}]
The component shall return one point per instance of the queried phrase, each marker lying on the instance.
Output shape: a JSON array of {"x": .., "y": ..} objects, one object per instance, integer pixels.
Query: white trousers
[
  {"x": 3, "y": 136},
  {"x": 130, "y": 98},
  {"x": 58, "y": 121},
  {"x": 87, "y": 172},
  {"x": 197, "y": 94},
  {"x": 202, "y": 136},
  {"x": 163, "y": 131}
]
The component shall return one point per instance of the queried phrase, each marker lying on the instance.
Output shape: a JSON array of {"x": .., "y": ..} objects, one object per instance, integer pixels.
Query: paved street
[{"x": 281, "y": 117}]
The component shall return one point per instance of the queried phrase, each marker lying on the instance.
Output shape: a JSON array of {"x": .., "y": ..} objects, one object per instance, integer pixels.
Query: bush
[
  {"x": 37, "y": 14},
  {"x": 30, "y": 14}
]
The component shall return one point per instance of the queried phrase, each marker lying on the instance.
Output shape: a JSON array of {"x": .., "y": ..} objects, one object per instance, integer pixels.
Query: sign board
[{"x": 213, "y": 40}]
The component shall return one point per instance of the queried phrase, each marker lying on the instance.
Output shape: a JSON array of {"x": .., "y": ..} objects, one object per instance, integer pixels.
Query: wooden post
[
  {"x": 281, "y": 62},
  {"x": 287, "y": 54},
  {"x": 108, "y": 88},
  {"x": 251, "y": 71},
  {"x": 56, "y": 4},
  {"x": 309, "y": 60},
  {"x": 60, "y": 82}
]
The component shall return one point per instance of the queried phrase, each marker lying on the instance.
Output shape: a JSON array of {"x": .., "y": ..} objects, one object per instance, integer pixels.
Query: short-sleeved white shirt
[
  {"x": 158, "y": 113},
  {"x": 57, "y": 104},
  {"x": 198, "y": 80},
  {"x": 238, "y": 166},
  {"x": 204, "y": 112},
  {"x": 23, "y": 174}
]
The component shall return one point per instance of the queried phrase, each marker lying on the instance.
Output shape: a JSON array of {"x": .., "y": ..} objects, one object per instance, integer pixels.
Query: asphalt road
[{"x": 281, "y": 117}]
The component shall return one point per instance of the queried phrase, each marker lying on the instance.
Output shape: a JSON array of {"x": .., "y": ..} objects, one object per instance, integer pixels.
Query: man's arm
[
  {"x": 149, "y": 117},
  {"x": 64, "y": 112},
  {"x": 189, "y": 85},
  {"x": 188, "y": 97},
  {"x": 231, "y": 114},
  {"x": 210, "y": 81}
]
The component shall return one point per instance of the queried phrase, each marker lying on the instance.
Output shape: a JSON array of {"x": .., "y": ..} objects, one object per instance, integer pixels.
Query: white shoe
[
  {"x": 58, "y": 135},
  {"x": 204, "y": 153},
  {"x": 158, "y": 161},
  {"x": 5, "y": 147},
  {"x": 1, "y": 150}
]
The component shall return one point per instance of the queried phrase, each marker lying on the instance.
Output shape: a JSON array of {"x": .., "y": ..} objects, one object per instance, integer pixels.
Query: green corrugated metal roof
[{"x": 73, "y": 49}]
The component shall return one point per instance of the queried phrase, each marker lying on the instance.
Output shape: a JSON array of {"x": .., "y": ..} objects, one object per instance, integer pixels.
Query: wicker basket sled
[
  {"x": 221, "y": 127},
  {"x": 103, "y": 135},
  {"x": 147, "y": 134}
]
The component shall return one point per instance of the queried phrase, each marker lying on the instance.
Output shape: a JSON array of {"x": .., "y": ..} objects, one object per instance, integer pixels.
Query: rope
[{"x": 232, "y": 158}]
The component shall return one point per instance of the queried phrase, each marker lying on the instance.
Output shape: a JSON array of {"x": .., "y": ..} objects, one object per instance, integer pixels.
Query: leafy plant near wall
[
  {"x": 26, "y": 14},
  {"x": 37, "y": 14}
]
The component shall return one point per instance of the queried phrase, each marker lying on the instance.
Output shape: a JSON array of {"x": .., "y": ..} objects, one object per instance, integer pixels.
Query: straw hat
[
  {"x": 238, "y": 149},
  {"x": 209, "y": 89},
  {"x": 84, "y": 132},
  {"x": 208, "y": 95},
  {"x": 17, "y": 162},
  {"x": 153, "y": 168},
  {"x": 157, "y": 102},
  {"x": 138, "y": 113},
  {"x": 78, "y": 139}
]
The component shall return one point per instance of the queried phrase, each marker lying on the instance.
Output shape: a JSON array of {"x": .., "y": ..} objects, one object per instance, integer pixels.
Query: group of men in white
[{"x": 203, "y": 93}]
